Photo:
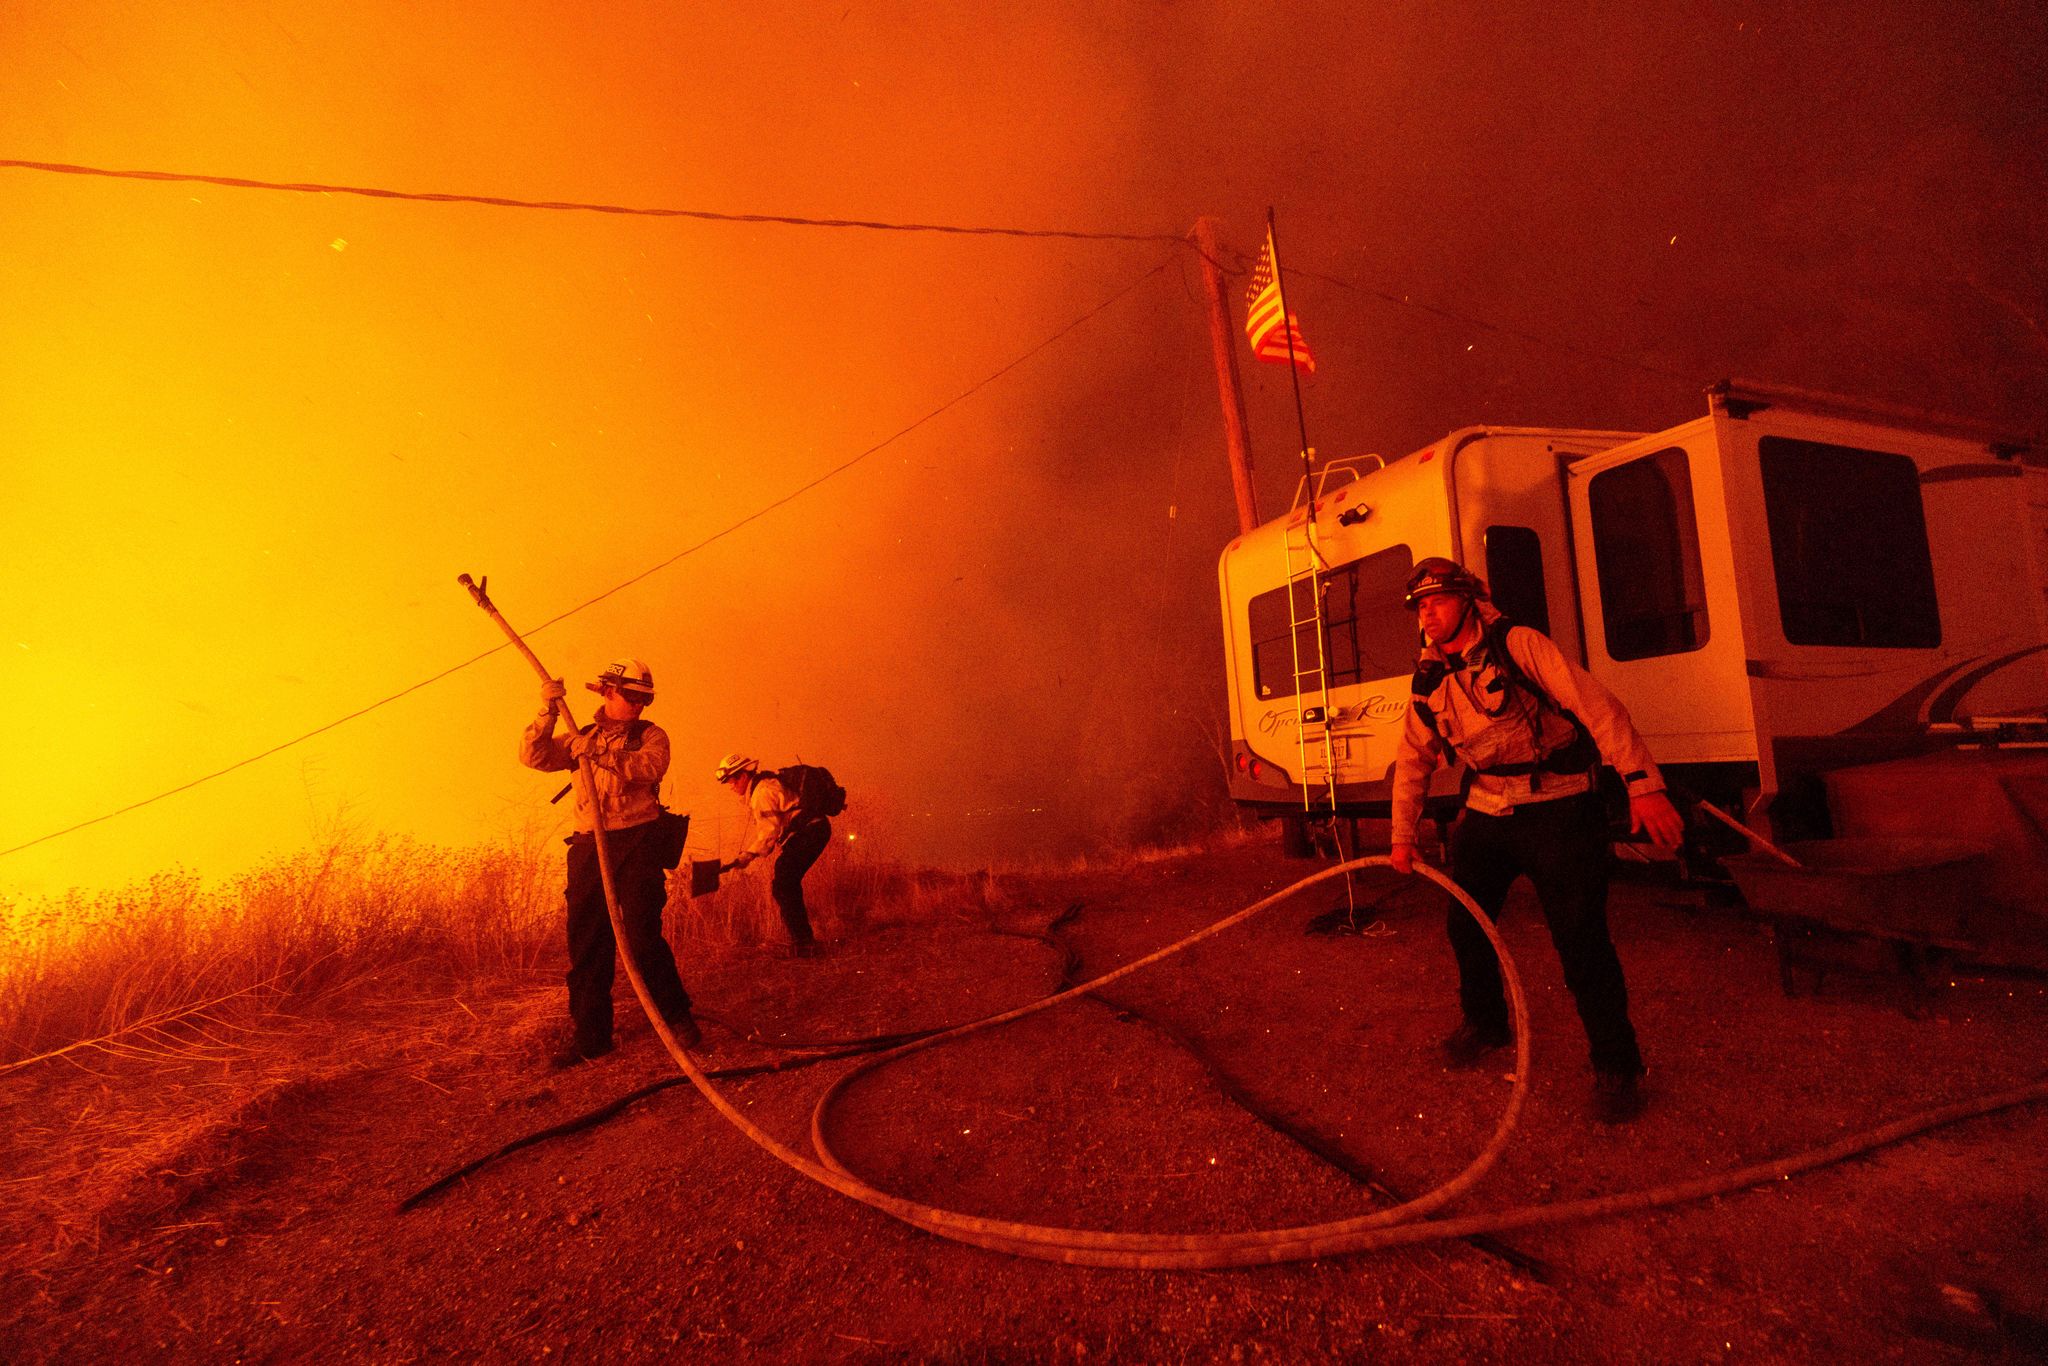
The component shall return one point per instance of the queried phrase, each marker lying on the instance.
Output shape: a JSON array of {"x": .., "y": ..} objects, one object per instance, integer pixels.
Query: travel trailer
[{"x": 1793, "y": 584}]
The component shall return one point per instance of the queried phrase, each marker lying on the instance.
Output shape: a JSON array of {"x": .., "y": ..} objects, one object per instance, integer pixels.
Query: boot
[
  {"x": 573, "y": 1054},
  {"x": 684, "y": 1027},
  {"x": 1617, "y": 1096},
  {"x": 1469, "y": 1043}
]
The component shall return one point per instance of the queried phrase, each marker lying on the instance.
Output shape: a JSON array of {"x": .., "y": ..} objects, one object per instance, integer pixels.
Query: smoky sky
[
  {"x": 1640, "y": 200},
  {"x": 1002, "y": 631}
]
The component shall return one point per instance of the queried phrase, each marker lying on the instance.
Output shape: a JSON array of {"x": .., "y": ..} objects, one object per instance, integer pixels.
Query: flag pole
[
  {"x": 1308, "y": 531},
  {"x": 1293, "y": 370}
]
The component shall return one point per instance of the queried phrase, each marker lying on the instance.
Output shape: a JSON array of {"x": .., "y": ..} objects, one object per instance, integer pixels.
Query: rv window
[
  {"x": 1849, "y": 544},
  {"x": 1646, "y": 549},
  {"x": 1367, "y": 633},
  {"x": 1514, "y": 575}
]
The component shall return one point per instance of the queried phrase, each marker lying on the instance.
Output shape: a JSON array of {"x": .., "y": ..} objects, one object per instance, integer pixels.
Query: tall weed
[
  {"x": 161, "y": 963},
  {"x": 284, "y": 935}
]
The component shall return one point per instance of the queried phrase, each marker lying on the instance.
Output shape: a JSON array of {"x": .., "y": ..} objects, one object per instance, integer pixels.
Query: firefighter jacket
[
  {"x": 773, "y": 807},
  {"x": 627, "y": 762},
  {"x": 1486, "y": 720}
]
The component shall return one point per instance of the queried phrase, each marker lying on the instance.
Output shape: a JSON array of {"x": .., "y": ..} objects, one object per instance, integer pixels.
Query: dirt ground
[{"x": 1266, "y": 1077}]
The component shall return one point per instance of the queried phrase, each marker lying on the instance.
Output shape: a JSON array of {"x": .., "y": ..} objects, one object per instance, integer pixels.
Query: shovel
[{"x": 704, "y": 876}]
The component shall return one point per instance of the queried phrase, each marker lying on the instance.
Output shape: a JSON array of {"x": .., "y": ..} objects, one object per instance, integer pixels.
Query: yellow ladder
[{"x": 1305, "y": 565}]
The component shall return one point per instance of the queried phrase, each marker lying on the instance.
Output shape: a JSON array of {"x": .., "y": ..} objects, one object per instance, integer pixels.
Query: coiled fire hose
[{"x": 1405, "y": 1223}]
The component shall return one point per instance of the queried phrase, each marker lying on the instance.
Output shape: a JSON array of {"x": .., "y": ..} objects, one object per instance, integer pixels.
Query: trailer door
[{"x": 1657, "y": 592}]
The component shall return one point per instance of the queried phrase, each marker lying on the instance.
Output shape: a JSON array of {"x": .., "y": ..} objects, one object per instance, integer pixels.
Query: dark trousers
[
  {"x": 1562, "y": 846},
  {"x": 792, "y": 861},
  {"x": 642, "y": 890}
]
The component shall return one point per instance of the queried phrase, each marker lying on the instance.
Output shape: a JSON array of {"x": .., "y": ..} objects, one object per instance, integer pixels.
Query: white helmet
[
  {"x": 629, "y": 676},
  {"x": 732, "y": 765}
]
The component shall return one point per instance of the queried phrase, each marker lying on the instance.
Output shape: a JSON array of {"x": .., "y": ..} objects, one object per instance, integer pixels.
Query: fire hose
[{"x": 1409, "y": 1222}]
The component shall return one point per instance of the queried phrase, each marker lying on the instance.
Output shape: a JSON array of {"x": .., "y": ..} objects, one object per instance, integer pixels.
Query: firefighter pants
[
  {"x": 1562, "y": 846},
  {"x": 792, "y": 861},
  {"x": 642, "y": 889}
]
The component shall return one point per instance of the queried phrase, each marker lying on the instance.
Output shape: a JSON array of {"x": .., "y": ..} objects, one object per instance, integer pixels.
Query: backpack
[{"x": 818, "y": 795}]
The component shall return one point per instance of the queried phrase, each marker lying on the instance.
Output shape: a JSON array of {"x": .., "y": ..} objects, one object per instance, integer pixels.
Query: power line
[
  {"x": 793, "y": 220},
  {"x": 754, "y": 516},
  {"x": 577, "y": 206}
]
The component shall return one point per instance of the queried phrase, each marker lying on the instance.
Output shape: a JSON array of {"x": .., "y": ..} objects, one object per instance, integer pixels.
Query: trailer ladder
[
  {"x": 1305, "y": 570},
  {"x": 1305, "y": 566},
  {"x": 1304, "y": 574}
]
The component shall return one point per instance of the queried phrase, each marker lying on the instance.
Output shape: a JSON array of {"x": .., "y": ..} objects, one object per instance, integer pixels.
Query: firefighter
[
  {"x": 782, "y": 827},
  {"x": 628, "y": 757},
  {"x": 1531, "y": 728}
]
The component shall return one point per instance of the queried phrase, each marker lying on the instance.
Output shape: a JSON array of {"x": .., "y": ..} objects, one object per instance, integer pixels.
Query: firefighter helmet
[
  {"x": 630, "y": 676},
  {"x": 732, "y": 765},
  {"x": 1439, "y": 575}
]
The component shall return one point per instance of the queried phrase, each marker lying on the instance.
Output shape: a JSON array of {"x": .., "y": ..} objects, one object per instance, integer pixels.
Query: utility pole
[{"x": 1223, "y": 350}]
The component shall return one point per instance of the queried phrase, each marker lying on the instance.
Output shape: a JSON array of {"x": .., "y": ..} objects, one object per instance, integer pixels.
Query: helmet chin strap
[{"x": 1458, "y": 631}]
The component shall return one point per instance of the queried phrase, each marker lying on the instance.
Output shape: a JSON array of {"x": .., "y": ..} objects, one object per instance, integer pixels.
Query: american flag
[{"x": 1262, "y": 323}]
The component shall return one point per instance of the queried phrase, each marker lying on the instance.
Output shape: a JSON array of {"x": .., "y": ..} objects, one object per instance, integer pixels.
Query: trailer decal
[
  {"x": 1905, "y": 711},
  {"x": 1944, "y": 706}
]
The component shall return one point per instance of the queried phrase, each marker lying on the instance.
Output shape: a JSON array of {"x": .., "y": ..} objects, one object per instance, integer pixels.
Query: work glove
[
  {"x": 588, "y": 744},
  {"x": 552, "y": 692}
]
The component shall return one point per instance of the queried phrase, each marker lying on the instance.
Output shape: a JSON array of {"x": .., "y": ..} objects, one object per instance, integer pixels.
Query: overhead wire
[
  {"x": 575, "y": 206},
  {"x": 754, "y": 516},
  {"x": 799, "y": 220}
]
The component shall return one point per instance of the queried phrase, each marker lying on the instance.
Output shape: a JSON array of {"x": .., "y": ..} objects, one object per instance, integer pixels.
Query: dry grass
[
  {"x": 173, "y": 969},
  {"x": 1231, "y": 834},
  {"x": 150, "y": 1037},
  {"x": 847, "y": 891},
  {"x": 169, "y": 967}
]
